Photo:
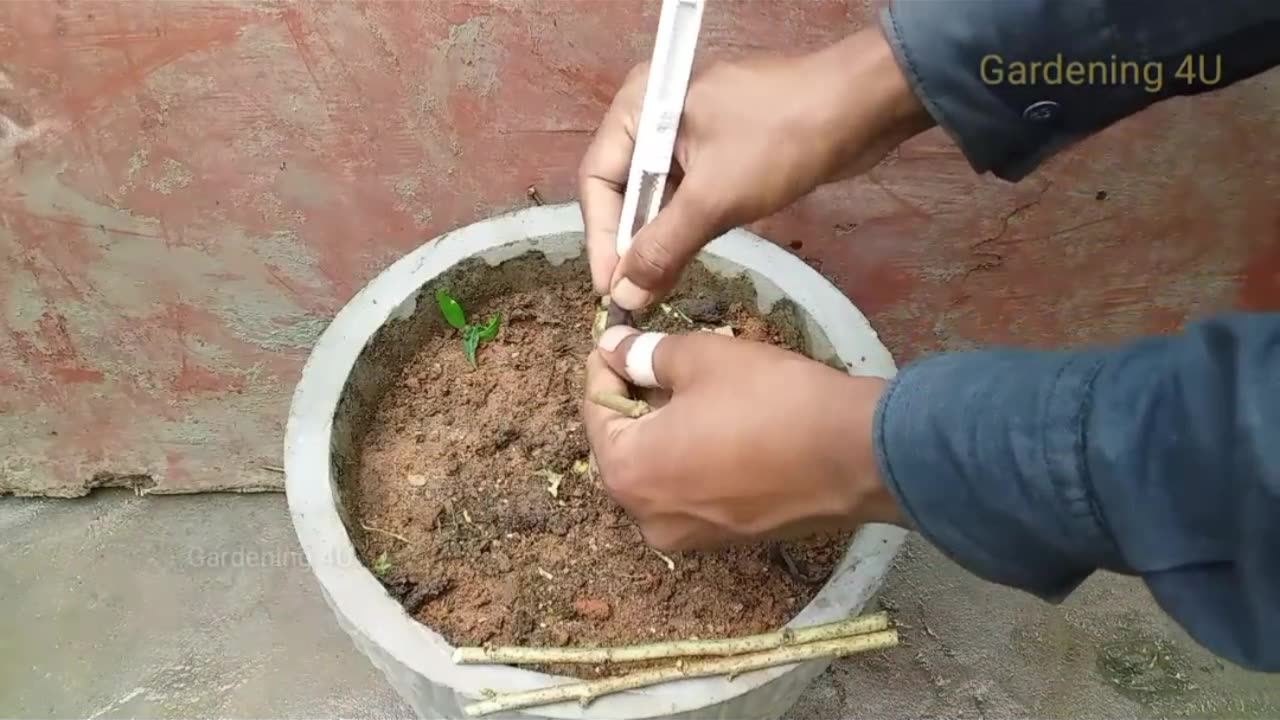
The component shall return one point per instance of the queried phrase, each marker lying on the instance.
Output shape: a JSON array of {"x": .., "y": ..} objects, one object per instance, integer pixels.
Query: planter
[{"x": 346, "y": 375}]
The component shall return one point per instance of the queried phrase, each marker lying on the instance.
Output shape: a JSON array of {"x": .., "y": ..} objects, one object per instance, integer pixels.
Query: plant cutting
[
  {"x": 734, "y": 657},
  {"x": 863, "y": 625},
  {"x": 472, "y": 335}
]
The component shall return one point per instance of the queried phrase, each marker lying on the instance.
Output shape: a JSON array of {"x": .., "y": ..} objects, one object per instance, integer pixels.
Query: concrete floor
[{"x": 198, "y": 606}]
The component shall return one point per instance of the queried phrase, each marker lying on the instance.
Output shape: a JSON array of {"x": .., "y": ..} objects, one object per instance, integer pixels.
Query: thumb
[
  {"x": 661, "y": 250},
  {"x": 657, "y": 359}
]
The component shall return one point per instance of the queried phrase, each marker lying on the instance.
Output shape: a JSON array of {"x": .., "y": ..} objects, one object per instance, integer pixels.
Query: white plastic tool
[{"x": 669, "y": 71}]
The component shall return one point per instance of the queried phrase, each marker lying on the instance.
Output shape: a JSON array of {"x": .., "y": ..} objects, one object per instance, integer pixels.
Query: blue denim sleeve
[
  {"x": 1014, "y": 82},
  {"x": 1159, "y": 459}
]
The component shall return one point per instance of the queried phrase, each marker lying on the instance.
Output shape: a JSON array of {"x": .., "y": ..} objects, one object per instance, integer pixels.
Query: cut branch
[
  {"x": 585, "y": 692},
  {"x": 678, "y": 648},
  {"x": 671, "y": 564},
  {"x": 388, "y": 533},
  {"x": 623, "y": 405}
]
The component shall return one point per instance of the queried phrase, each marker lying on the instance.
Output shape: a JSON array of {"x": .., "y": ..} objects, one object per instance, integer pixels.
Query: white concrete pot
[{"x": 415, "y": 659}]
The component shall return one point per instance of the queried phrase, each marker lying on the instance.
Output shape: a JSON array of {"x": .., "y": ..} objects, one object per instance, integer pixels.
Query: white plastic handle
[{"x": 669, "y": 71}]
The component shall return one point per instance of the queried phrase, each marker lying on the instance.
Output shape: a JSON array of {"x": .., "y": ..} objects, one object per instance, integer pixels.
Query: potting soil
[{"x": 481, "y": 513}]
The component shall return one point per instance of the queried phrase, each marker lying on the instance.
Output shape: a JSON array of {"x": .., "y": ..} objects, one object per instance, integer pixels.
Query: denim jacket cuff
[{"x": 984, "y": 452}]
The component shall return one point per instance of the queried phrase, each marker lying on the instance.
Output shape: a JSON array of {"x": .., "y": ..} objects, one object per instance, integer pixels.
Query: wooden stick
[
  {"x": 671, "y": 564},
  {"x": 623, "y": 405},
  {"x": 585, "y": 692},
  {"x": 388, "y": 533},
  {"x": 600, "y": 324},
  {"x": 678, "y": 648}
]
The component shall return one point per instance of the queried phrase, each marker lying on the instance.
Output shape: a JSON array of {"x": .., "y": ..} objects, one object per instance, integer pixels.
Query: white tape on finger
[{"x": 640, "y": 359}]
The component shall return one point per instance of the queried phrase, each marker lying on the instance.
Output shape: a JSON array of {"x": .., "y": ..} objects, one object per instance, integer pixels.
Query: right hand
[
  {"x": 751, "y": 442},
  {"x": 754, "y": 137}
]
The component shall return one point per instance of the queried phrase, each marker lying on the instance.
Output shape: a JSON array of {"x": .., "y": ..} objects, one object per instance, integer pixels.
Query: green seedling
[
  {"x": 381, "y": 566},
  {"x": 472, "y": 335}
]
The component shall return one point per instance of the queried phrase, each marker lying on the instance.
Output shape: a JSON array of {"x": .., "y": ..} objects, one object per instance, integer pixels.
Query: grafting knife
[{"x": 673, "y": 49}]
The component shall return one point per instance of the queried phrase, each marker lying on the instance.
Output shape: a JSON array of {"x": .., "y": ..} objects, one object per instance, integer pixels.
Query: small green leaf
[
  {"x": 471, "y": 341},
  {"x": 490, "y": 329},
  {"x": 381, "y": 566},
  {"x": 451, "y": 309}
]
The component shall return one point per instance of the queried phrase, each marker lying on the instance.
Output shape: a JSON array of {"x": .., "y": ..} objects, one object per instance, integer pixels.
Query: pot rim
[{"x": 357, "y": 595}]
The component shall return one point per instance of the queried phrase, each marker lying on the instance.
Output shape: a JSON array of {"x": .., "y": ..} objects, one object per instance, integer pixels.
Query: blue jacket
[{"x": 1160, "y": 458}]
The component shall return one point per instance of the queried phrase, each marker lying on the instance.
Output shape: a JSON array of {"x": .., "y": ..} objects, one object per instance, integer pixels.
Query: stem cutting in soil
[{"x": 620, "y": 404}]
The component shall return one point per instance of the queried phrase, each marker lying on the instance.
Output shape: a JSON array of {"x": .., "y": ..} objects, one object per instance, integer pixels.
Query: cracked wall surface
[{"x": 188, "y": 191}]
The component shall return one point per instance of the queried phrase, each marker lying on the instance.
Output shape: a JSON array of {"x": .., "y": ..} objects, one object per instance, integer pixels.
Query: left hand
[{"x": 754, "y": 442}]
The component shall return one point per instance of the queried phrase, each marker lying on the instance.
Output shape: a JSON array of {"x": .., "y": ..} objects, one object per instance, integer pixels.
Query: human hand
[
  {"x": 750, "y": 442},
  {"x": 754, "y": 137}
]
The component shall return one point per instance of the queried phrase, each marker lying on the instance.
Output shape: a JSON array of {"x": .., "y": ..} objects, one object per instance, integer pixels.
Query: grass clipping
[{"x": 730, "y": 656}]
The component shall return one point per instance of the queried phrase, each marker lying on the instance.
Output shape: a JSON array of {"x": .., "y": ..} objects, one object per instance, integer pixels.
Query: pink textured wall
[{"x": 189, "y": 190}]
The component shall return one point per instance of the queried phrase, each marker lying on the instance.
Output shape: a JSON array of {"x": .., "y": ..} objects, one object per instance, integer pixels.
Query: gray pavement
[{"x": 116, "y": 606}]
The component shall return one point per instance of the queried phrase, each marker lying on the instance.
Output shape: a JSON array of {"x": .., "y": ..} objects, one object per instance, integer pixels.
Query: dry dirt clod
[
  {"x": 430, "y": 516},
  {"x": 505, "y": 437},
  {"x": 500, "y": 561},
  {"x": 704, "y": 310},
  {"x": 592, "y": 608},
  {"x": 416, "y": 479},
  {"x": 426, "y": 591}
]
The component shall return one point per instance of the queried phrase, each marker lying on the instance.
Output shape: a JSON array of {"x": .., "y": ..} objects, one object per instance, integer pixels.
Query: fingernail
[
  {"x": 610, "y": 339},
  {"x": 630, "y": 296}
]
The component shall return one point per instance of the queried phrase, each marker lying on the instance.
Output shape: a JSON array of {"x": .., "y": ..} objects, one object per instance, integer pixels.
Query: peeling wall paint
[{"x": 189, "y": 191}]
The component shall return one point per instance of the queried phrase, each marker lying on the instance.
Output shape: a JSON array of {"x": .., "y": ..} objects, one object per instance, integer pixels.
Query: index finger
[{"x": 602, "y": 178}]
